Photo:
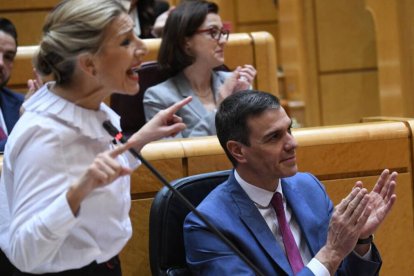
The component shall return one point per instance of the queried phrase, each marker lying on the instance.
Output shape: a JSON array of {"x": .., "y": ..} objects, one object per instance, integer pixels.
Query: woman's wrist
[{"x": 75, "y": 195}]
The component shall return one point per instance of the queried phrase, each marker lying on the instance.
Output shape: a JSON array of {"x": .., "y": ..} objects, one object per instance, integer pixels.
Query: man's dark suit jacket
[
  {"x": 10, "y": 103},
  {"x": 230, "y": 209}
]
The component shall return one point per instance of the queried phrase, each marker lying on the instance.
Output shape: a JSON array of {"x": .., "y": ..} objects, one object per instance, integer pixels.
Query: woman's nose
[{"x": 142, "y": 48}]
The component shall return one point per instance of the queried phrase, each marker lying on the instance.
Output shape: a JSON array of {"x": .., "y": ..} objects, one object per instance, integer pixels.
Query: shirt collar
[
  {"x": 258, "y": 195},
  {"x": 87, "y": 121}
]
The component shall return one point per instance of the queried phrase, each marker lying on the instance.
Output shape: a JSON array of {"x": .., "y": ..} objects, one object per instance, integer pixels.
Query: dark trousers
[
  {"x": 6, "y": 268},
  {"x": 109, "y": 268}
]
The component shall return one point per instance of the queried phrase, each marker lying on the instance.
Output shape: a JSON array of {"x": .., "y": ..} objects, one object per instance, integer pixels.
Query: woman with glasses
[{"x": 192, "y": 46}]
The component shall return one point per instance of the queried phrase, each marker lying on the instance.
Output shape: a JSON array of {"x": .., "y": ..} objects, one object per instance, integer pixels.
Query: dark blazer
[
  {"x": 230, "y": 209},
  {"x": 198, "y": 120},
  {"x": 10, "y": 103}
]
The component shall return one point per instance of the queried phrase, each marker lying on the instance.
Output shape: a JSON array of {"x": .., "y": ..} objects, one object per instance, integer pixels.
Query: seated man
[
  {"x": 10, "y": 102},
  {"x": 281, "y": 220}
]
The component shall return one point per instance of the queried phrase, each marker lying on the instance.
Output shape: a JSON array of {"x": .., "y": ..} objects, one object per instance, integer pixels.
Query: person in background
[
  {"x": 65, "y": 184},
  {"x": 192, "y": 45},
  {"x": 10, "y": 101},
  {"x": 149, "y": 16},
  {"x": 282, "y": 220}
]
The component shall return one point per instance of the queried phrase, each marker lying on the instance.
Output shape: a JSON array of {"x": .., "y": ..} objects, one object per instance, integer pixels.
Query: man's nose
[{"x": 291, "y": 142}]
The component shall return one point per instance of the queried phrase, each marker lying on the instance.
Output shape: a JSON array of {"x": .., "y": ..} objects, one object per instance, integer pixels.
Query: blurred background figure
[
  {"x": 149, "y": 16},
  {"x": 192, "y": 46},
  {"x": 10, "y": 101}
]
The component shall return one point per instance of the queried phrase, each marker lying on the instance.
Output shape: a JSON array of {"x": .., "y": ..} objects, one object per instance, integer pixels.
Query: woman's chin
[{"x": 130, "y": 91}]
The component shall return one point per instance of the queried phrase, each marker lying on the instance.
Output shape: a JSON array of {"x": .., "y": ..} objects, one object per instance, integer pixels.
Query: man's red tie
[
  {"x": 2, "y": 134},
  {"x": 292, "y": 250}
]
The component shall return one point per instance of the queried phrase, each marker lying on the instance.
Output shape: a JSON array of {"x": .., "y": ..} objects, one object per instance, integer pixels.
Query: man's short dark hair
[
  {"x": 235, "y": 110},
  {"x": 8, "y": 27}
]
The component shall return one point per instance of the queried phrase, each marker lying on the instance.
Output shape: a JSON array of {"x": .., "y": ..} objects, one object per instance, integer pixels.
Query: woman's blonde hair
[{"x": 72, "y": 28}]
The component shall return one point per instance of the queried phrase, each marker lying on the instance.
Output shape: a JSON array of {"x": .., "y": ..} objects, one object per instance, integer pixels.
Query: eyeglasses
[{"x": 215, "y": 33}]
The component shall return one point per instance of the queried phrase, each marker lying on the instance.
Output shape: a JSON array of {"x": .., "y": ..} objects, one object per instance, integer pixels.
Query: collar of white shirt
[
  {"x": 88, "y": 121},
  {"x": 258, "y": 195}
]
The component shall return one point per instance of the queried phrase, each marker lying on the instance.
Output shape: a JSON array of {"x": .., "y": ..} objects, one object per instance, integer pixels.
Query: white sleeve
[
  {"x": 317, "y": 268},
  {"x": 40, "y": 215}
]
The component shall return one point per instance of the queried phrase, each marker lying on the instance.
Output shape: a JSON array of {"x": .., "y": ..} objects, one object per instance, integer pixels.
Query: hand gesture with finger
[
  {"x": 165, "y": 123},
  {"x": 104, "y": 169}
]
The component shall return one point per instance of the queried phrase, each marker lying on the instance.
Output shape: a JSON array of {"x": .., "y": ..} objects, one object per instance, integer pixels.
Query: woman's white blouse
[{"x": 48, "y": 150}]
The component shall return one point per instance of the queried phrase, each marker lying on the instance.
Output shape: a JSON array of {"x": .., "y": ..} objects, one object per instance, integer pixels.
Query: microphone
[{"x": 118, "y": 136}]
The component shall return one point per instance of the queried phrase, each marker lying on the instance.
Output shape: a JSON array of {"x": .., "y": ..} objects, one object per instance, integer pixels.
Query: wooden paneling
[
  {"x": 28, "y": 24},
  {"x": 254, "y": 16},
  {"x": 145, "y": 182},
  {"x": 347, "y": 97},
  {"x": 265, "y": 62},
  {"x": 210, "y": 163},
  {"x": 395, "y": 39},
  {"x": 227, "y": 12},
  {"x": 10, "y": 5},
  {"x": 237, "y": 50},
  {"x": 324, "y": 44},
  {"x": 346, "y": 36},
  {"x": 298, "y": 57},
  {"x": 265, "y": 27},
  {"x": 134, "y": 257},
  {"x": 28, "y": 16},
  {"x": 256, "y": 11}
]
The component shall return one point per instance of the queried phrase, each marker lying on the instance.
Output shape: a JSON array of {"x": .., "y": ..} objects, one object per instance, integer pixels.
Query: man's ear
[
  {"x": 87, "y": 64},
  {"x": 236, "y": 150}
]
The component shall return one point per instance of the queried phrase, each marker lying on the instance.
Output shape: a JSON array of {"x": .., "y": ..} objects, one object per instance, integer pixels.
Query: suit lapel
[
  {"x": 254, "y": 221},
  {"x": 10, "y": 108},
  {"x": 308, "y": 222}
]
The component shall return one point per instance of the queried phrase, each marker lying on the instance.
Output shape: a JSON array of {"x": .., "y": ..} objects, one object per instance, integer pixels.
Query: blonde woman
[{"x": 65, "y": 187}]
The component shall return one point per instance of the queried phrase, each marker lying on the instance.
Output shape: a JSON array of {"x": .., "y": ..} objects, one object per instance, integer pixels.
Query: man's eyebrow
[
  {"x": 271, "y": 134},
  {"x": 276, "y": 131}
]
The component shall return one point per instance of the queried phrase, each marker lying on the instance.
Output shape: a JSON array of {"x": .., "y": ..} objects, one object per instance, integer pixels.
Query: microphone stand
[{"x": 114, "y": 132}]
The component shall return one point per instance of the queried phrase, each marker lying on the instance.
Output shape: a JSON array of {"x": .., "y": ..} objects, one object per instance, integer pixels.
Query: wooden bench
[
  {"x": 337, "y": 155},
  {"x": 256, "y": 48}
]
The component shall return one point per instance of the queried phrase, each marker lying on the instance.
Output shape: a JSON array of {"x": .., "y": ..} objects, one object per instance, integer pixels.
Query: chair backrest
[
  {"x": 131, "y": 108},
  {"x": 166, "y": 244}
]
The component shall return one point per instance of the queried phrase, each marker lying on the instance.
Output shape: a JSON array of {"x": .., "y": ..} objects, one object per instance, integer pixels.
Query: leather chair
[{"x": 166, "y": 244}]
